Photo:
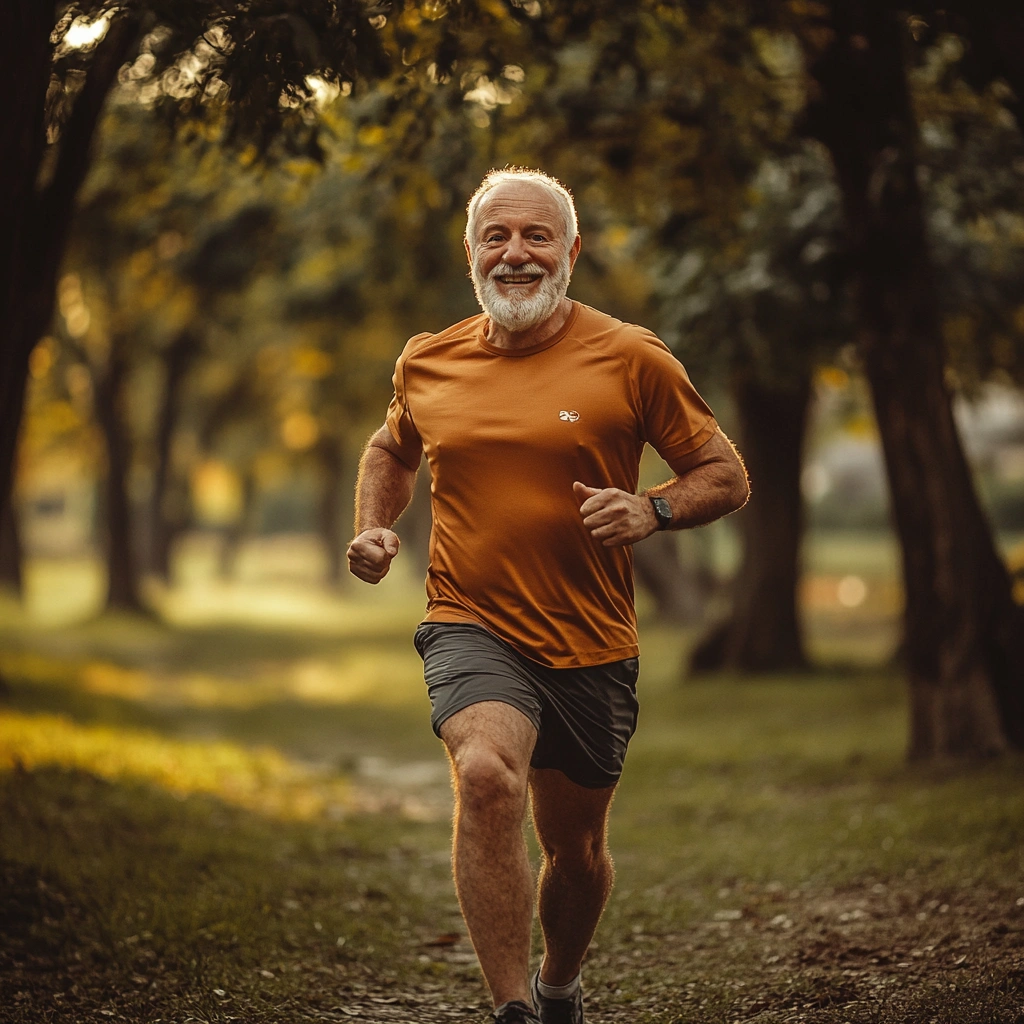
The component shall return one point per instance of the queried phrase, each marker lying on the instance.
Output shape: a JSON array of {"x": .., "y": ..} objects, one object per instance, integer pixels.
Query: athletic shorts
[{"x": 584, "y": 717}]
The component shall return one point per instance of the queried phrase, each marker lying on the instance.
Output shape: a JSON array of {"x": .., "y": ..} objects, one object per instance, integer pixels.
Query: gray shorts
[{"x": 584, "y": 717}]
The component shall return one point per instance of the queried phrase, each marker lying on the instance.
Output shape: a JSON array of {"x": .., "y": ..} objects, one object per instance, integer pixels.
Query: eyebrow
[{"x": 536, "y": 226}]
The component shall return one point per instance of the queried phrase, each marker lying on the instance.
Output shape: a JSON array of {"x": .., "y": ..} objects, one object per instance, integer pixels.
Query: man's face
[{"x": 518, "y": 256}]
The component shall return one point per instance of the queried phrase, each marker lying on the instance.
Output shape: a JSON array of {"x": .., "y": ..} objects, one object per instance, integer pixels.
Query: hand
[
  {"x": 370, "y": 554},
  {"x": 613, "y": 517}
]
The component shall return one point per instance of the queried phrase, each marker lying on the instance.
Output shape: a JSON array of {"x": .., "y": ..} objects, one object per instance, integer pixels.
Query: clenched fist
[
  {"x": 613, "y": 517},
  {"x": 370, "y": 554}
]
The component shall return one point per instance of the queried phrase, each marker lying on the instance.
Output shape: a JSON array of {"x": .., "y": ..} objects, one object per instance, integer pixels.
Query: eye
[
  {"x": 538, "y": 237},
  {"x": 494, "y": 238}
]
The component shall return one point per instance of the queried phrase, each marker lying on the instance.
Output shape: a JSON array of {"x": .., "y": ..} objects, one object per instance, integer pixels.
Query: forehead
[{"x": 517, "y": 202}]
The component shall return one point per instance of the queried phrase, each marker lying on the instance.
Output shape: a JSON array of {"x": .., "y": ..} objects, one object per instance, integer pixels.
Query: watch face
[{"x": 663, "y": 510}]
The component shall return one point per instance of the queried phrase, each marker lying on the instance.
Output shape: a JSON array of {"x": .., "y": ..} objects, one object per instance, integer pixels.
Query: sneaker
[
  {"x": 515, "y": 1011},
  {"x": 557, "y": 1011}
]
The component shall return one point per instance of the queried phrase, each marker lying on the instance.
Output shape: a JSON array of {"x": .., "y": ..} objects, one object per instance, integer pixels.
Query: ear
[
  {"x": 469, "y": 254},
  {"x": 575, "y": 251}
]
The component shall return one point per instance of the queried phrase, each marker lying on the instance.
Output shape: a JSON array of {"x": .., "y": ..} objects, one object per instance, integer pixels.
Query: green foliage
[
  {"x": 259, "y": 64},
  {"x": 973, "y": 166}
]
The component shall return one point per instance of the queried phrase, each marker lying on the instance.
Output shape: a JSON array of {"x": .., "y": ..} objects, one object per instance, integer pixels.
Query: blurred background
[
  {"x": 235, "y": 283},
  {"x": 223, "y": 223}
]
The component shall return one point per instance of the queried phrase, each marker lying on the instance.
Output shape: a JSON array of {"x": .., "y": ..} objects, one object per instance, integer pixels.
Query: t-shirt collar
[{"x": 516, "y": 353}]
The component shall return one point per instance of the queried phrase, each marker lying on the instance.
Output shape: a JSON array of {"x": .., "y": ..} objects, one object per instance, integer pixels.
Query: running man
[{"x": 532, "y": 417}]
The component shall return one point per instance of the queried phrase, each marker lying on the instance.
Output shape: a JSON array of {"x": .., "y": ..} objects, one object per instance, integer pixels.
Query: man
[{"x": 532, "y": 417}]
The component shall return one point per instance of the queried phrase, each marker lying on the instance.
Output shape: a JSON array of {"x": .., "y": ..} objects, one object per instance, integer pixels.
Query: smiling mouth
[{"x": 518, "y": 278}]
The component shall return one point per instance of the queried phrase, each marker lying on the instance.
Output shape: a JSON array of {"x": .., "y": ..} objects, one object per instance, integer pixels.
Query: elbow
[
  {"x": 739, "y": 490},
  {"x": 736, "y": 482}
]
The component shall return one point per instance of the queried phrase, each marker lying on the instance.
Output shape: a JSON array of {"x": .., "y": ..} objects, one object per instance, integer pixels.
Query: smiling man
[{"x": 532, "y": 417}]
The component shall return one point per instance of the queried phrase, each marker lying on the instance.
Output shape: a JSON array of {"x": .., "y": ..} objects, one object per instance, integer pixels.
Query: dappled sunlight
[
  {"x": 58, "y": 592},
  {"x": 260, "y": 780},
  {"x": 280, "y": 721},
  {"x": 274, "y": 582},
  {"x": 286, "y": 603},
  {"x": 84, "y": 31},
  {"x": 379, "y": 677}
]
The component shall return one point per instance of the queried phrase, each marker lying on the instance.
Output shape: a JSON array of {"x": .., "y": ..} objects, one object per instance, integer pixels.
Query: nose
[{"x": 516, "y": 251}]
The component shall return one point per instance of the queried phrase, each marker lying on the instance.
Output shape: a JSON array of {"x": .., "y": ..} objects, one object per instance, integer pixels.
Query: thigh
[{"x": 569, "y": 818}]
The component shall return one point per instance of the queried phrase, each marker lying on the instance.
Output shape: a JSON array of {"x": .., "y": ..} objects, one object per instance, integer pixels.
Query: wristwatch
[{"x": 663, "y": 510}]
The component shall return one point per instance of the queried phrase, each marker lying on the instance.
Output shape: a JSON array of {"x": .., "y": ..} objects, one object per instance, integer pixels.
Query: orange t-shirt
[{"x": 506, "y": 432}]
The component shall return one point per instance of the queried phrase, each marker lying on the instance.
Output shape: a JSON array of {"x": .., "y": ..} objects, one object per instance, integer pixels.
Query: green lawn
[{"x": 234, "y": 822}]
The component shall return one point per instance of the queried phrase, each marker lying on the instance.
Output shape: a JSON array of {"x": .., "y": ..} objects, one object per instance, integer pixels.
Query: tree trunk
[
  {"x": 166, "y": 517},
  {"x": 34, "y": 223},
  {"x": 964, "y": 636},
  {"x": 763, "y": 632},
  {"x": 122, "y": 576},
  {"x": 10, "y": 548},
  {"x": 24, "y": 77}
]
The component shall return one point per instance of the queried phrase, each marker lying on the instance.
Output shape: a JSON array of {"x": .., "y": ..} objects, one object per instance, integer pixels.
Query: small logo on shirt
[{"x": 569, "y": 415}]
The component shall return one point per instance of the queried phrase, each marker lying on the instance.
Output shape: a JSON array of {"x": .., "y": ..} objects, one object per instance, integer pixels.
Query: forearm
[
  {"x": 709, "y": 490},
  {"x": 384, "y": 488},
  {"x": 702, "y": 495},
  {"x": 711, "y": 483}
]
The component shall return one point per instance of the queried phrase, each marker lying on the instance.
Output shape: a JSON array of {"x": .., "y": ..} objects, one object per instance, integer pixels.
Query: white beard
[{"x": 515, "y": 312}]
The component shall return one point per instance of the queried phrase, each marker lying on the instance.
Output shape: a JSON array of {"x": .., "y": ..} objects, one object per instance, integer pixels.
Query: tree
[
  {"x": 261, "y": 67},
  {"x": 963, "y": 634},
  {"x": 765, "y": 311},
  {"x": 257, "y": 61},
  {"x": 39, "y": 183}
]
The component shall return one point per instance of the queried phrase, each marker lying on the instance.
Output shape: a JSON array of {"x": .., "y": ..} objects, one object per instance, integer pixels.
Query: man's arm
[
  {"x": 710, "y": 482},
  {"x": 383, "y": 491}
]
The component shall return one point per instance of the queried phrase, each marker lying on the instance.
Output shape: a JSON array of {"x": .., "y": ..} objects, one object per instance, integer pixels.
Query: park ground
[{"x": 239, "y": 813}]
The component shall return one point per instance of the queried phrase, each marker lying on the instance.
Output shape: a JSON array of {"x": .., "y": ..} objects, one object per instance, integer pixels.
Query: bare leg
[
  {"x": 576, "y": 873},
  {"x": 490, "y": 745}
]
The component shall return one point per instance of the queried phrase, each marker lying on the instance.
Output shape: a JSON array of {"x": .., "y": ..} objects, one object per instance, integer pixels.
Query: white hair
[{"x": 561, "y": 195}]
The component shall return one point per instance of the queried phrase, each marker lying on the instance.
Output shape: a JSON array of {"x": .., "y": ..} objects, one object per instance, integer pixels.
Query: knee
[
  {"x": 585, "y": 852},
  {"x": 487, "y": 784}
]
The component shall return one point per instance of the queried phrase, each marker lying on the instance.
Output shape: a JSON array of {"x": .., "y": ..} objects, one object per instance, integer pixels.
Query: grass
[{"x": 209, "y": 822}]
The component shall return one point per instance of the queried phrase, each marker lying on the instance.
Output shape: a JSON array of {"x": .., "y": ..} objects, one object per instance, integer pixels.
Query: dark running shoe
[
  {"x": 515, "y": 1011},
  {"x": 557, "y": 1011}
]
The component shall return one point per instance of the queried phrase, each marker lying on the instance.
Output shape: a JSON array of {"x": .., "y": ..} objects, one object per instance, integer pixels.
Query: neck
[{"x": 502, "y": 337}]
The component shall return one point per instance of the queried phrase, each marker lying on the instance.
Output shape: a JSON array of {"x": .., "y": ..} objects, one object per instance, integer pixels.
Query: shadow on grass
[{"x": 328, "y": 699}]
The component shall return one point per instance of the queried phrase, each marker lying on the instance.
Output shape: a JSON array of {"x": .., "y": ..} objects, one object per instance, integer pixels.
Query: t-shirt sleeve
[
  {"x": 399, "y": 419},
  {"x": 675, "y": 419}
]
